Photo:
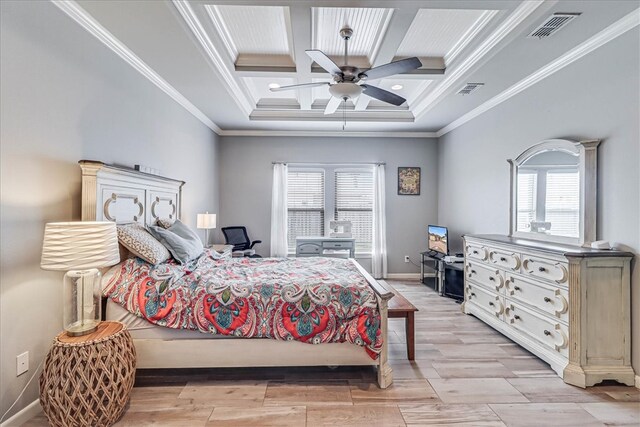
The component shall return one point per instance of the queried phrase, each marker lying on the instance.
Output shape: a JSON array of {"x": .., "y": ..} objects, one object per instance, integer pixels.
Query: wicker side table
[{"x": 87, "y": 380}]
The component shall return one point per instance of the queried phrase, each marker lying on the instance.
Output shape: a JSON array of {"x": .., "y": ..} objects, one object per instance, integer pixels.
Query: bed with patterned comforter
[{"x": 312, "y": 300}]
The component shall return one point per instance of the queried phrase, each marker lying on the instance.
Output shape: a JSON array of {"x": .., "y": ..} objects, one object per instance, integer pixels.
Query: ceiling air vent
[
  {"x": 552, "y": 24},
  {"x": 469, "y": 87}
]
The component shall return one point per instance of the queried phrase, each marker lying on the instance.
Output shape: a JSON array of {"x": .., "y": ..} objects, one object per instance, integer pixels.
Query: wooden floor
[{"x": 465, "y": 374}]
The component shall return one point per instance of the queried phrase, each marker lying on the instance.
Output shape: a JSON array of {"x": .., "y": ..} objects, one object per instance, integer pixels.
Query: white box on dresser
[{"x": 568, "y": 305}]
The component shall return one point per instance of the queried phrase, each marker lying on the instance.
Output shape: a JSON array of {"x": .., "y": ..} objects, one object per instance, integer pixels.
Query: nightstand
[
  {"x": 87, "y": 380},
  {"x": 224, "y": 250}
]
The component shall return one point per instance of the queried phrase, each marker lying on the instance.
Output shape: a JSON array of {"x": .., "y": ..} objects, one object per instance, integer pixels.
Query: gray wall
[
  {"x": 245, "y": 194},
  {"x": 596, "y": 97},
  {"x": 65, "y": 97}
]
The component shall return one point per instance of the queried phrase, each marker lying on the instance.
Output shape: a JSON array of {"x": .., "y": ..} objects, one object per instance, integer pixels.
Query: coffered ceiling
[{"x": 219, "y": 58}]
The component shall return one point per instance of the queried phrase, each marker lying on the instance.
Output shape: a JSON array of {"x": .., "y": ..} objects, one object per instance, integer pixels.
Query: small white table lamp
[
  {"x": 207, "y": 222},
  {"x": 80, "y": 248}
]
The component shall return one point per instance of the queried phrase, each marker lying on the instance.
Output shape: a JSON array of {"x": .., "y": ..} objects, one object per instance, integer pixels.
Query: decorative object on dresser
[
  {"x": 87, "y": 381},
  {"x": 553, "y": 192},
  {"x": 79, "y": 248},
  {"x": 207, "y": 222},
  {"x": 568, "y": 305},
  {"x": 408, "y": 181},
  {"x": 340, "y": 228}
]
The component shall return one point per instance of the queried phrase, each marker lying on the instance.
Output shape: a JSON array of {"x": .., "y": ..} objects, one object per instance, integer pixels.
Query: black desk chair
[{"x": 238, "y": 237}]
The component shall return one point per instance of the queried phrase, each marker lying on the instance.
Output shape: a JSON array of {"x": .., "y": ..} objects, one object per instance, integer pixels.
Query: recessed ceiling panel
[
  {"x": 406, "y": 88},
  {"x": 442, "y": 33},
  {"x": 255, "y": 35},
  {"x": 368, "y": 24}
]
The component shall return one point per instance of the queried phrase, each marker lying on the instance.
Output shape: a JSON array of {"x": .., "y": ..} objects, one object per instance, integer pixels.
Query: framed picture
[{"x": 408, "y": 181}]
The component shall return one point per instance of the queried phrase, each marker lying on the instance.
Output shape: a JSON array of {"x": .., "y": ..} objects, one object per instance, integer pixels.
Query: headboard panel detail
[{"x": 113, "y": 193}]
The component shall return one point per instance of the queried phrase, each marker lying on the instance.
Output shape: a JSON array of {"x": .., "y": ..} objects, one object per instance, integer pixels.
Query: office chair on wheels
[{"x": 242, "y": 245}]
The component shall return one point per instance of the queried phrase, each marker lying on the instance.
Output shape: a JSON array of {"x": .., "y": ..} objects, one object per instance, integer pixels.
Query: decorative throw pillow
[
  {"x": 165, "y": 222},
  {"x": 183, "y": 243},
  {"x": 142, "y": 244}
]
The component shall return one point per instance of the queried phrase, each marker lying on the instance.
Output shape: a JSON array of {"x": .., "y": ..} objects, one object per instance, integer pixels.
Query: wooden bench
[{"x": 400, "y": 307}]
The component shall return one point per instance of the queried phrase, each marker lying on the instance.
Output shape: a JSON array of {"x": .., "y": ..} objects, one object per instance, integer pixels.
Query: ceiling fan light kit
[{"x": 348, "y": 81}]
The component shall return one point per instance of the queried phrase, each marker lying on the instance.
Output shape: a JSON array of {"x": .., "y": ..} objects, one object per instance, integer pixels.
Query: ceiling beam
[
  {"x": 398, "y": 26},
  {"x": 301, "y": 29}
]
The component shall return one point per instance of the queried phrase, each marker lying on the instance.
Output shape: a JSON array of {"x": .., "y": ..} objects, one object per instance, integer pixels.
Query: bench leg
[{"x": 411, "y": 343}]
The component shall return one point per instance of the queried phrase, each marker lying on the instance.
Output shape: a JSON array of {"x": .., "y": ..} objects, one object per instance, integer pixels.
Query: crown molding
[
  {"x": 93, "y": 27},
  {"x": 327, "y": 133},
  {"x": 430, "y": 99},
  {"x": 610, "y": 33},
  {"x": 217, "y": 60}
]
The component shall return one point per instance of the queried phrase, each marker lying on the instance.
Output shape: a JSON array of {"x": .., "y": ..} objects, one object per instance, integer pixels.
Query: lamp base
[{"x": 78, "y": 329}]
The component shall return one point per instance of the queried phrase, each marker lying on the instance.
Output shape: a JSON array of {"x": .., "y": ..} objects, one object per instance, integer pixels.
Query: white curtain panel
[
  {"x": 279, "y": 211},
  {"x": 379, "y": 256}
]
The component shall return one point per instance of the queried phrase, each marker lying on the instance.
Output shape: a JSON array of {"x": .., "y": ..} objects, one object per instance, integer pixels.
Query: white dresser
[{"x": 568, "y": 305}]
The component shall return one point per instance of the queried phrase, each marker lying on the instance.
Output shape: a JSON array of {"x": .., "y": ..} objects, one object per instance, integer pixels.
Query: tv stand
[{"x": 449, "y": 277}]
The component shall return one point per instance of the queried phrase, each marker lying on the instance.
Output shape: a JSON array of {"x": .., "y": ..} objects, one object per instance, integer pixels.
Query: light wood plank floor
[{"x": 465, "y": 374}]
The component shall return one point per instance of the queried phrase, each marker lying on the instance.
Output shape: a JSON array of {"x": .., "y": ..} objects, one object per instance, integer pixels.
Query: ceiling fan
[{"x": 349, "y": 81}]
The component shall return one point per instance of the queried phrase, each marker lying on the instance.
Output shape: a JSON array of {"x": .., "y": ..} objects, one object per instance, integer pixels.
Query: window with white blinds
[
  {"x": 527, "y": 194},
  {"x": 305, "y": 204},
  {"x": 562, "y": 202},
  {"x": 354, "y": 202}
]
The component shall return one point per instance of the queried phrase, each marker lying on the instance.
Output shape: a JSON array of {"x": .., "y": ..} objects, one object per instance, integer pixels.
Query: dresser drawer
[
  {"x": 548, "y": 298},
  {"x": 505, "y": 259},
  {"x": 545, "y": 269},
  {"x": 489, "y": 301},
  {"x": 484, "y": 275},
  {"x": 476, "y": 252},
  {"x": 309, "y": 249},
  {"x": 549, "y": 332},
  {"x": 337, "y": 245}
]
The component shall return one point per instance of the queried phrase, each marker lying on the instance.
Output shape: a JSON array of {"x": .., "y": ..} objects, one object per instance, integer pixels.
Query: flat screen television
[{"x": 439, "y": 239}]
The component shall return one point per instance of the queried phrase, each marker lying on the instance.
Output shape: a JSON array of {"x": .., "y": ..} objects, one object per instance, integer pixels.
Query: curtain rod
[{"x": 328, "y": 164}]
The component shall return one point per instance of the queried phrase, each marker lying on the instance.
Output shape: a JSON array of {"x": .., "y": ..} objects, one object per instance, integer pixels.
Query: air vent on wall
[
  {"x": 552, "y": 24},
  {"x": 469, "y": 87}
]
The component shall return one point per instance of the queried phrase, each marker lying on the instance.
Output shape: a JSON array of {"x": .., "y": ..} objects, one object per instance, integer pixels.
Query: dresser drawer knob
[
  {"x": 547, "y": 333},
  {"x": 475, "y": 252},
  {"x": 542, "y": 269},
  {"x": 491, "y": 304},
  {"x": 547, "y": 299},
  {"x": 493, "y": 279},
  {"x": 473, "y": 272},
  {"x": 516, "y": 317},
  {"x": 503, "y": 259},
  {"x": 517, "y": 288}
]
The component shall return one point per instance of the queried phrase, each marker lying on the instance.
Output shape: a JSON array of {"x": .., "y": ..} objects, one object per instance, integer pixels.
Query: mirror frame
[{"x": 587, "y": 152}]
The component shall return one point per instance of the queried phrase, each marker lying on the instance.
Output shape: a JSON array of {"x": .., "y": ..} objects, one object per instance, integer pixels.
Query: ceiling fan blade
[
  {"x": 382, "y": 95},
  {"x": 324, "y": 61},
  {"x": 332, "y": 106},
  {"x": 392, "y": 68},
  {"x": 300, "y": 86}
]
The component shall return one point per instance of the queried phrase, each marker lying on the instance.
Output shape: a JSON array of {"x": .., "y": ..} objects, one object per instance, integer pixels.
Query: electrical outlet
[
  {"x": 22, "y": 363},
  {"x": 406, "y": 258}
]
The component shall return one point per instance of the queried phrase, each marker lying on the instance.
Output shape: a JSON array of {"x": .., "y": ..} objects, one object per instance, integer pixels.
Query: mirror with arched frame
[{"x": 553, "y": 192}]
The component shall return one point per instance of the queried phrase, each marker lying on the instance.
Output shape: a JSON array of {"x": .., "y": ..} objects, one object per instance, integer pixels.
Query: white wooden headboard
[{"x": 113, "y": 193}]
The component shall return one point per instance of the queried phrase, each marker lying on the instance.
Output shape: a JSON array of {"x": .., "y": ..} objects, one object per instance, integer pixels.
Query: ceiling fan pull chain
[{"x": 344, "y": 114}]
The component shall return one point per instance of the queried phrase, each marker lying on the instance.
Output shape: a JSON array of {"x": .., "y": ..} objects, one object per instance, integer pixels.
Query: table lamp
[
  {"x": 79, "y": 248},
  {"x": 207, "y": 222}
]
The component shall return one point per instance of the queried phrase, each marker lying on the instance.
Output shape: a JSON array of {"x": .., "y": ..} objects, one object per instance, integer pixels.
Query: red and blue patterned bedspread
[{"x": 312, "y": 300}]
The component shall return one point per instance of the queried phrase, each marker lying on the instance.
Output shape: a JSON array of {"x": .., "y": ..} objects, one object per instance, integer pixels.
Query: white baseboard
[
  {"x": 403, "y": 276},
  {"x": 637, "y": 381},
  {"x": 26, "y": 413}
]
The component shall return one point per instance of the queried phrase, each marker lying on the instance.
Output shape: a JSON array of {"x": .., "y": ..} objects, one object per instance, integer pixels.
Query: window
[
  {"x": 562, "y": 202},
  {"x": 527, "y": 194},
  {"x": 305, "y": 204},
  {"x": 354, "y": 202},
  {"x": 343, "y": 193}
]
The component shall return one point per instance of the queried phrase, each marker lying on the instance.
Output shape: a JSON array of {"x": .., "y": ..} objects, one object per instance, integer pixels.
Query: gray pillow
[{"x": 182, "y": 242}]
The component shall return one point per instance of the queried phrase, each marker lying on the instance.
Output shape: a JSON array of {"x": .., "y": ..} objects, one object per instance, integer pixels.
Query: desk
[
  {"x": 337, "y": 247},
  {"x": 445, "y": 273}
]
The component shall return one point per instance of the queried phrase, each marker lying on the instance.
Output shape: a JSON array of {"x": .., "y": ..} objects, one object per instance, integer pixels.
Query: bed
[{"x": 122, "y": 195}]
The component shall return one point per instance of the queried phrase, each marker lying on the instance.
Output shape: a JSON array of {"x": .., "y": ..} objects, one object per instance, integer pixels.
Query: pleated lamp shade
[
  {"x": 206, "y": 221},
  {"x": 79, "y": 245}
]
